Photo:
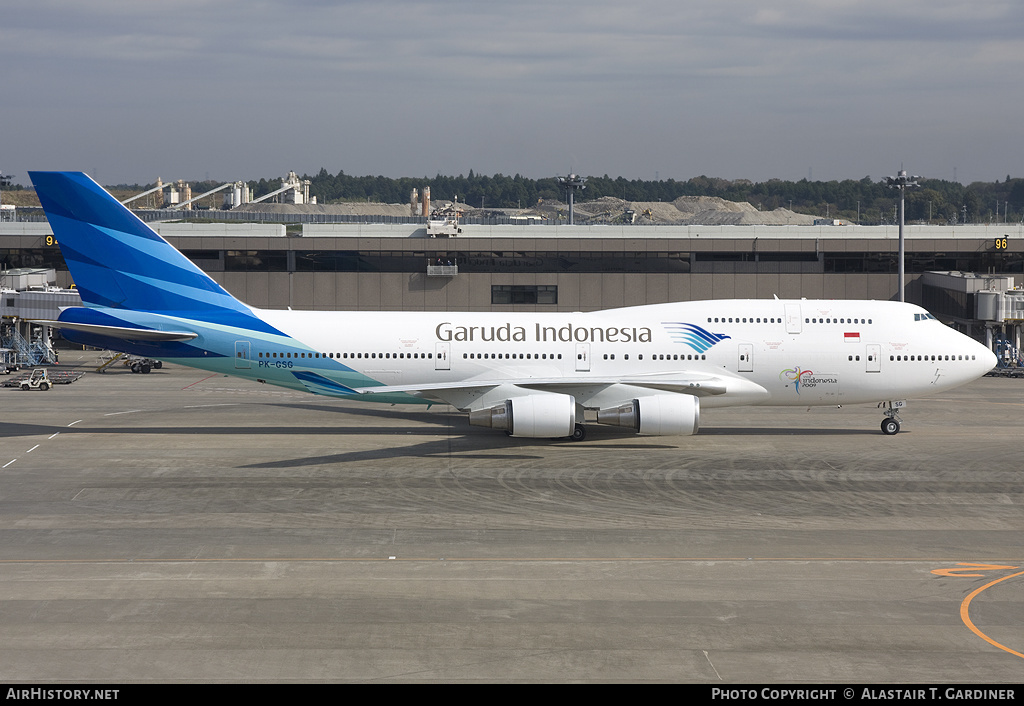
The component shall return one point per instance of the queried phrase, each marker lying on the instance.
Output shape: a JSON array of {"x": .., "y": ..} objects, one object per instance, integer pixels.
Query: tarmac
[{"x": 179, "y": 527}]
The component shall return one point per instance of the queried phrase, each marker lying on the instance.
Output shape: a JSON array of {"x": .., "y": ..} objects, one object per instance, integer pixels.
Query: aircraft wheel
[
  {"x": 579, "y": 433},
  {"x": 144, "y": 368},
  {"x": 135, "y": 367},
  {"x": 890, "y": 427}
]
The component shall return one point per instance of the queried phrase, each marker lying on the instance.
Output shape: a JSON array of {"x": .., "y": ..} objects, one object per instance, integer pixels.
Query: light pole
[
  {"x": 901, "y": 182},
  {"x": 5, "y": 181},
  {"x": 572, "y": 183}
]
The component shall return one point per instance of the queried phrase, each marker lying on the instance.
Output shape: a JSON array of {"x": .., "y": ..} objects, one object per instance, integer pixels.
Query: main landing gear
[{"x": 891, "y": 423}]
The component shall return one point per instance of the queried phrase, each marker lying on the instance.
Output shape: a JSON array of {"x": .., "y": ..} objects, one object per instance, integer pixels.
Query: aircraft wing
[{"x": 463, "y": 394}]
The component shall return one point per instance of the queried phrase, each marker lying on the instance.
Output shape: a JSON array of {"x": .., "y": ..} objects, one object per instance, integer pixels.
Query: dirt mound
[{"x": 686, "y": 210}]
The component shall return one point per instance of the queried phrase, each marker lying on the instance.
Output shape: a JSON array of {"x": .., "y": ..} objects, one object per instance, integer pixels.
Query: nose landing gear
[{"x": 891, "y": 423}]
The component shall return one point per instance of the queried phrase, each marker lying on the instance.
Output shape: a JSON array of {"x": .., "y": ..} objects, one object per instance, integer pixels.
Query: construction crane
[
  {"x": 159, "y": 187},
  {"x": 211, "y": 191},
  {"x": 291, "y": 183}
]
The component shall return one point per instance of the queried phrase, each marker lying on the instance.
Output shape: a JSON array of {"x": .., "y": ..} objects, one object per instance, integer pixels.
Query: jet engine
[
  {"x": 536, "y": 416},
  {"x": 656, "y": 415}
]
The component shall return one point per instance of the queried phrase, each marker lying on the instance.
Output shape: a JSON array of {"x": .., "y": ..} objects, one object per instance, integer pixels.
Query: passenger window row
[
  {"x": 676, "y": 356},
  {"x": 408, "y": 356},
  {"x": 744, "y": 320},
  {"x": 930, "y": 358},
  {"x": 813, "y": 320},
  {"x": 558, "y": 356},
  {"x": 512, "y": 356},
  {"x": 778, "y": 320}
]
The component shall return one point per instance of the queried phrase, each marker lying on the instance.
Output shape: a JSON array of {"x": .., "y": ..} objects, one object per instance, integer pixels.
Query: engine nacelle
[
  {"x": 657, "y": 415},
  {"x": 536, "y": 416}
]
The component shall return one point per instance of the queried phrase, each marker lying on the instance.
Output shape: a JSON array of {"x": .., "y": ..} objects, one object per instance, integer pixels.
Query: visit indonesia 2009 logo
[{"x": 805, "y": 379}]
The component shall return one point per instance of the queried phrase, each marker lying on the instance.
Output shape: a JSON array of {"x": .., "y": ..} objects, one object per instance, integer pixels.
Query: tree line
[
  {"x": 863, "y": 201},
  {"x": 866, "y": 200}
]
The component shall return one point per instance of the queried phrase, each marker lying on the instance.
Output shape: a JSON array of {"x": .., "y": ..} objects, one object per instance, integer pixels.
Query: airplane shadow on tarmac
[{"x": 459, "y": 438}]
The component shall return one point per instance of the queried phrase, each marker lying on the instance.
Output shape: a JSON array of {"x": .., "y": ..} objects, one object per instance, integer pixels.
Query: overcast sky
[{"x": 230, "y": 89}]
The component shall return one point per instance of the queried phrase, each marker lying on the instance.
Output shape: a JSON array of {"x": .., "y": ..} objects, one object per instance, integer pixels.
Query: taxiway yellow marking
[
  {"x": 961, "y": 573},
  {"x": 965, "y": 614}
]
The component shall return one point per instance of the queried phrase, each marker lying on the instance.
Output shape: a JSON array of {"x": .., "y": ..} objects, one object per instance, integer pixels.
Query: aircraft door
[
  {"x": 442, "y": 356},
  {"x": 873, "y": 358},
  {"x": 793, "y": 322},
  {"x": 243, "y": 355},
  {"x": 745, "y": 364},
  {"x": 582, "y": 357}
]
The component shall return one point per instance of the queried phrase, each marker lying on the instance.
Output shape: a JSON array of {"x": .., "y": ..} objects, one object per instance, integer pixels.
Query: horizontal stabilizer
[{"x": 121, "y": 332}]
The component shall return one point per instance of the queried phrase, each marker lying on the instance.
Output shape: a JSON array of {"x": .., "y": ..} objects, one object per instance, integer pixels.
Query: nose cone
[
  {"x": 987, "y": 359},
  {"x": 981, "y": 358}
]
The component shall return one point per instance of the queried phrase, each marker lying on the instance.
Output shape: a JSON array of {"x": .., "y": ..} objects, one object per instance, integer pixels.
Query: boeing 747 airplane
[{"x": 647, "y": 368}]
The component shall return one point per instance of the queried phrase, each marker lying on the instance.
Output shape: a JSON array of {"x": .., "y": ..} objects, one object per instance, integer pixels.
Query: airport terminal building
[{"x": 397, "y": 266}]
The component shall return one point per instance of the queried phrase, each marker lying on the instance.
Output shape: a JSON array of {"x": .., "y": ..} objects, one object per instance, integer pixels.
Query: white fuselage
[{"x": 777, "y": 352}]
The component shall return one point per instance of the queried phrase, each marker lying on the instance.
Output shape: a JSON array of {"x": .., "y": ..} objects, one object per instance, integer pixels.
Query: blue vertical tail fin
[{"x": 116, "y": 260}]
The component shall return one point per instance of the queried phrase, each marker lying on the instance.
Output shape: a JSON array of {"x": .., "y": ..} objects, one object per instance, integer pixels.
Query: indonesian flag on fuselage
[{"x": 852, "y": 337}]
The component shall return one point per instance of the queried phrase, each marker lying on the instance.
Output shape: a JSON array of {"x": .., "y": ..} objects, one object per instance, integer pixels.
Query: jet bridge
[
  {"x": 27, "y": 296},
  {"x": 973, "y": 301}
]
